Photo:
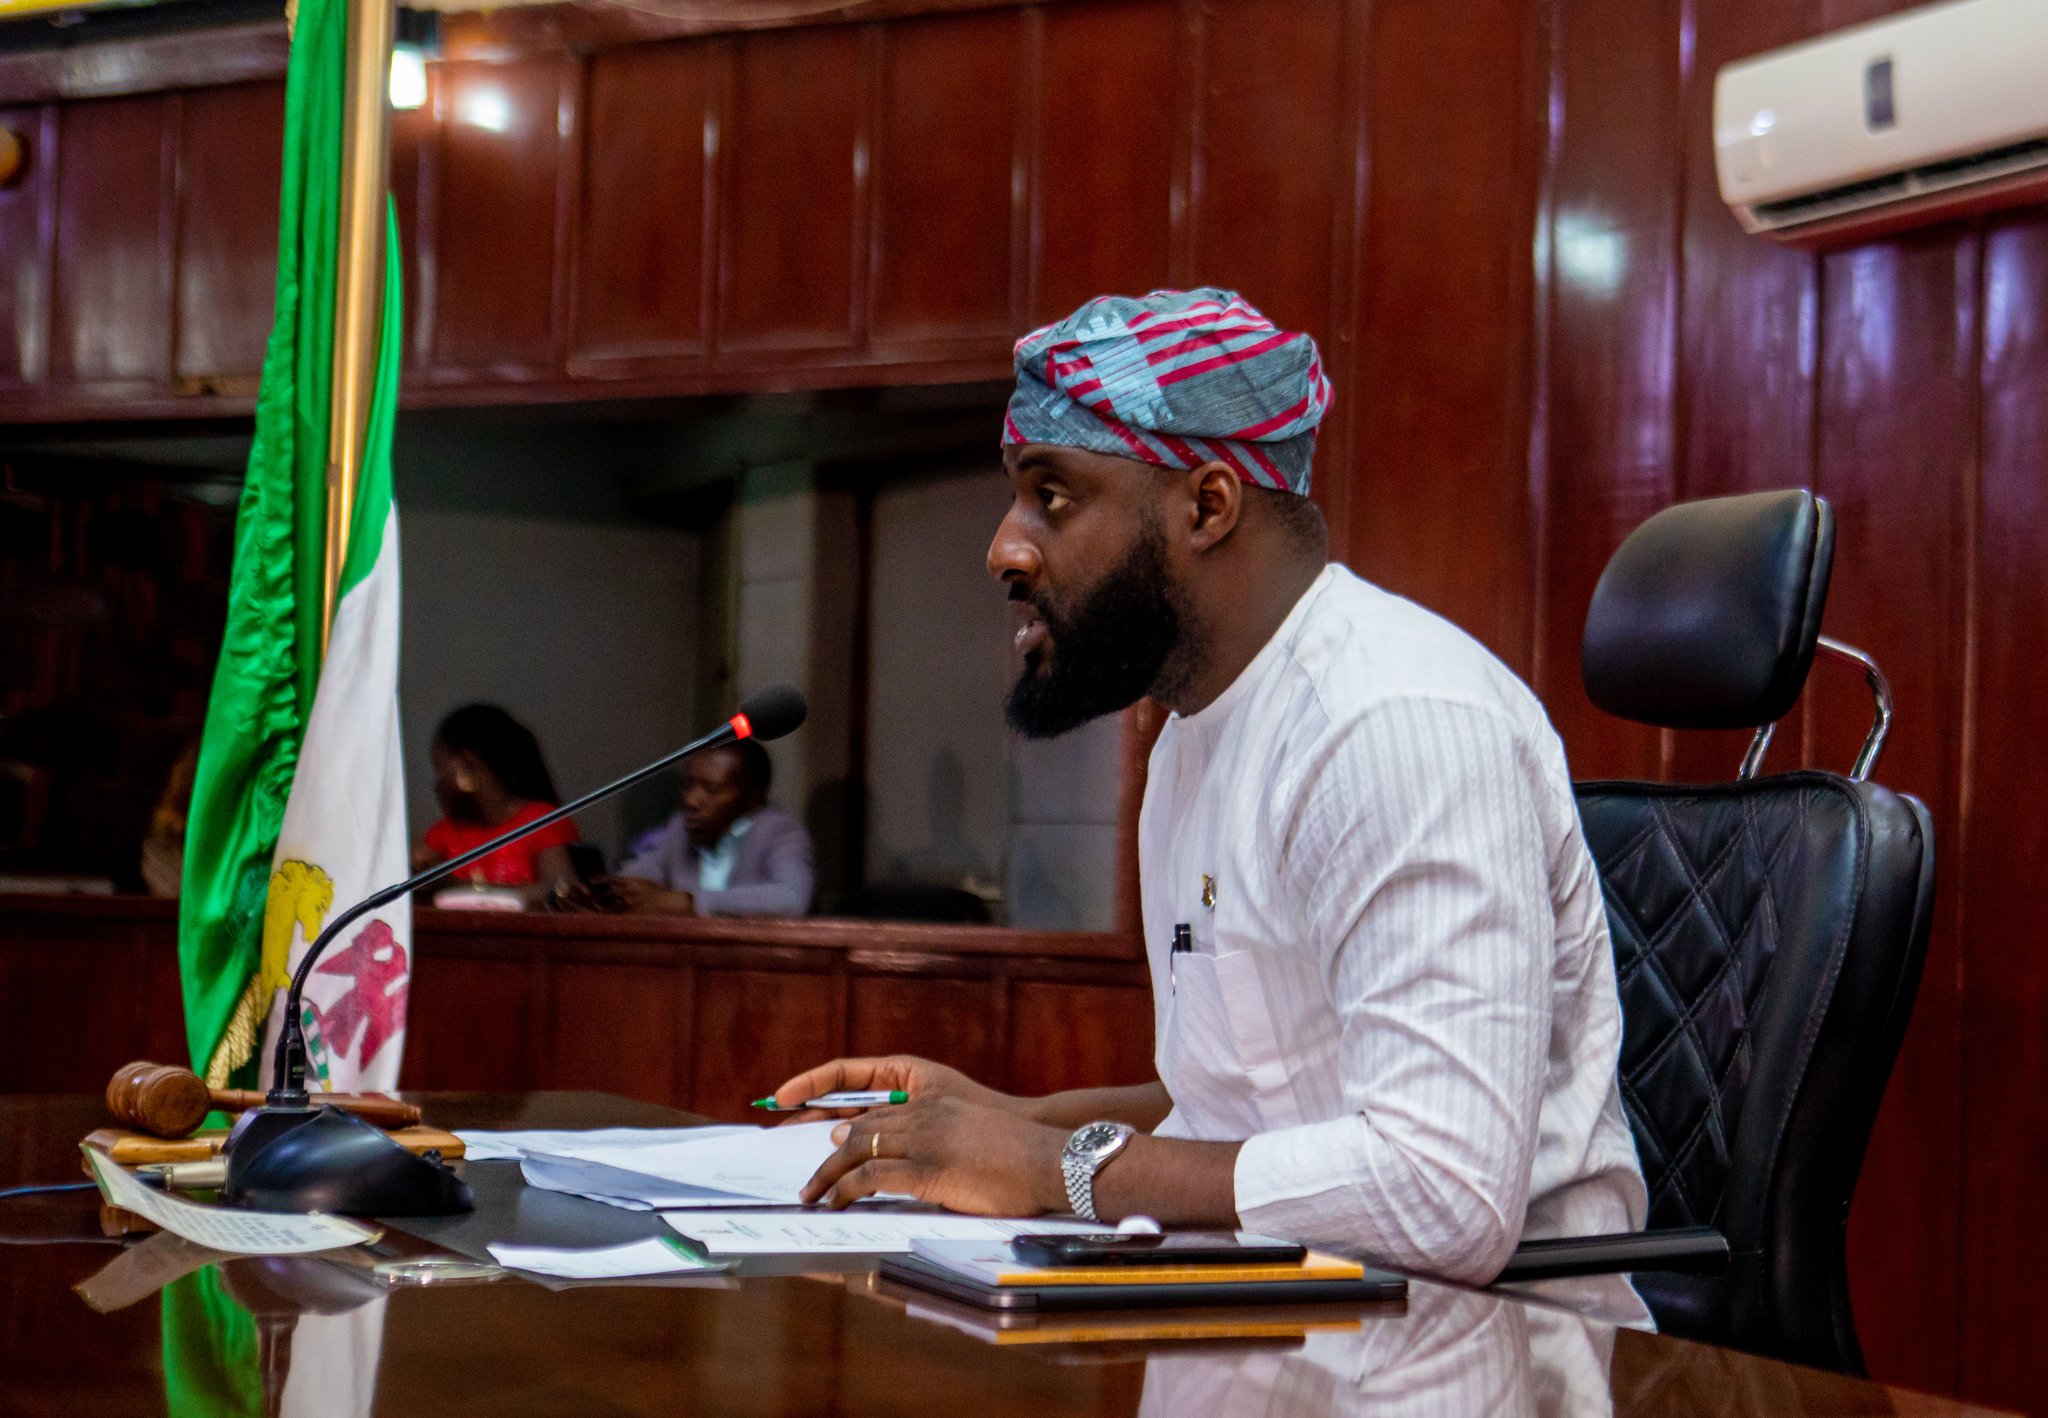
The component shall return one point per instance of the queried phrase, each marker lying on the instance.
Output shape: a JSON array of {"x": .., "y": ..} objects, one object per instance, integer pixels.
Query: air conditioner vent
[{"x": 1946, "y": 175}]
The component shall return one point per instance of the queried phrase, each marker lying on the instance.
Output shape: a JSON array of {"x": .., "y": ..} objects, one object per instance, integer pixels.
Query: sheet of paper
[
  {"x": 775, "y": 1233},
  {"x": 654, "y": 1255},
  {"x": 741, "y": 1166},
  {"x": 494, "y": 1146},
  {"x": 224, "y": 1228}
]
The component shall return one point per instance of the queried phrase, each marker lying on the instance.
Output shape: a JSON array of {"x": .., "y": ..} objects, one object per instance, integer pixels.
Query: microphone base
[{"x": 322, "y": 1159}]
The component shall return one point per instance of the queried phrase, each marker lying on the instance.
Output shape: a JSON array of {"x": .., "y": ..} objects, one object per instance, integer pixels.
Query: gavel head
[{"x": 159, "y": 1099}]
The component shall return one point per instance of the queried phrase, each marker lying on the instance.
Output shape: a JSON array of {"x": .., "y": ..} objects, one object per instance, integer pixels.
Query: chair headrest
[{"x": 1707, "y": 615}]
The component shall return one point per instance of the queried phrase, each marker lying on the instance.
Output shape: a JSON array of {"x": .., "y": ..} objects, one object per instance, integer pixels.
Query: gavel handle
[{"x": 384, "y": 1112}]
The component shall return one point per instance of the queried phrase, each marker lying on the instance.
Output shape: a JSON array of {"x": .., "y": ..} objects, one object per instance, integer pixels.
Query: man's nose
[{"x": 1012, "y": 554}]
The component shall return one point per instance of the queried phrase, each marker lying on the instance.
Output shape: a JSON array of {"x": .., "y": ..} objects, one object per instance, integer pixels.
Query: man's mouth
[{"x": 1031, "y": 635}]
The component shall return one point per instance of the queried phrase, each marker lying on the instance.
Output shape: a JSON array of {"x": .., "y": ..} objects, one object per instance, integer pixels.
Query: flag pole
[{"x": 359, "y": 275}]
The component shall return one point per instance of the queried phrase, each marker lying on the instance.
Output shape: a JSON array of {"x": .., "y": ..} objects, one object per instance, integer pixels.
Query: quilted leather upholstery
[{"x": 1768, "y": 938}]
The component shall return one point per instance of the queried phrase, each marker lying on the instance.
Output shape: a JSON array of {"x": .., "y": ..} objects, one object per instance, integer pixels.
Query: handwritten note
[{"x": 225, "y": 1228}]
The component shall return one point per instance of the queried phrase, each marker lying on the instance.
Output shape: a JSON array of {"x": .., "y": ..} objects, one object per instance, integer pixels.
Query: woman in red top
[{"x": 489, "y": 777}]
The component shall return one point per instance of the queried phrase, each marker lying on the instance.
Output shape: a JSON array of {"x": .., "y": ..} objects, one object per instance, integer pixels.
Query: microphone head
[{"x": 770, "y": 713}]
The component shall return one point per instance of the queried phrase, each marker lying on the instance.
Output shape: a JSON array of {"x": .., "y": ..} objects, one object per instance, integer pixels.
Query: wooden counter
[{"x": 702, "y": 1014}]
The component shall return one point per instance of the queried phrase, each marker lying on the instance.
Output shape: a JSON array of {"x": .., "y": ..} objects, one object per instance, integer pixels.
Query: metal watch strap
[{"x": 1079, "y": 1173}]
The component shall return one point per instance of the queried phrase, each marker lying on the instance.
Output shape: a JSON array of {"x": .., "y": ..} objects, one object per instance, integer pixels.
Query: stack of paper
[
  {"x": 721, "y": 1167},
  {"x": 764, "y": 1233},
  {"x": 655, "y": 1255},
  {"x": 484, "y": 1146}
]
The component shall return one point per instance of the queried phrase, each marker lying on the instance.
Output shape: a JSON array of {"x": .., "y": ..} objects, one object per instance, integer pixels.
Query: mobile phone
[{"x": 1175, "y": 1248}]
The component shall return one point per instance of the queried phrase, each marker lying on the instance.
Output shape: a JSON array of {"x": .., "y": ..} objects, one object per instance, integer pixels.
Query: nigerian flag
[{"x": 298, "y": 807}]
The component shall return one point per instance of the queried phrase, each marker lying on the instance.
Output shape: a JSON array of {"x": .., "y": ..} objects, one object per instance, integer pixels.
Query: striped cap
[{"x": 1177, "y": 378}]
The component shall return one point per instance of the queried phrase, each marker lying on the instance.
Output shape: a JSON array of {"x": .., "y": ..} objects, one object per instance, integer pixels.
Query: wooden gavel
[{"x": 167, "y": 1101}]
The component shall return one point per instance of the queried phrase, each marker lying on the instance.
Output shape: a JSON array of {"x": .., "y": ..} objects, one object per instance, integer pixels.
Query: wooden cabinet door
[
  {"x": 497, "y": 243},
  {"x": 950, "y": 182},
  {"x": 24, "y": 256},
  {"x": 229, "y": 169},
  {"x": 797, "y": 179},
  {"x": 649, "y": 138},
  {"x": 111, "y": 315}
]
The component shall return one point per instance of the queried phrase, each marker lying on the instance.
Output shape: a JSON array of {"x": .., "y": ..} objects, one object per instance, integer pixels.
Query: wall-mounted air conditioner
[{"x": 1930, "y": 114}]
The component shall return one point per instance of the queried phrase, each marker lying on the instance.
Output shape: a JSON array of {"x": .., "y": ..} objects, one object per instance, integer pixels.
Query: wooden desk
[{"x": 831, "y": 1341}]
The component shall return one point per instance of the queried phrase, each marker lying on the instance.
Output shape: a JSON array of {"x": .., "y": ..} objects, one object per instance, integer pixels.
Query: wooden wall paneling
[
  {"x": 612, "y": 1025},
  {"x": 27, "y": 217},
  {"x": 1897, "y": 458},
  {"x": 951, "y": 182},
  {"x": 643, "y": 272},
  {"x": 163, "y": 1003},
  {"x": 2002, "y": 839},
  {"x": 497, "y": 246},
  {"x": 1441, "y": 509},
  {"x": 475, "y": 1022},
  {"x": 1138, "y": 729},
  {"x": 1105, "y": 150},
  {"x": 949, "y": 1020},
  {"x": 1336, "y": 441},
  {"x": 755, "y": 1027},
  {"x": 1266, "y": 135},
  {"x": 229, "y": 170},
  {"x": 68, "y": 979},
  {"x": 796, "y": 184},
  {"x": 1609, "y": 244},
  {"x": 415, "y": 140},
  {"x": 1066, "y": 1034},
  {"x": 1748, "y": 330},
  {"x": 112, "y": 317},
  {"x": 572, "y": 114}
]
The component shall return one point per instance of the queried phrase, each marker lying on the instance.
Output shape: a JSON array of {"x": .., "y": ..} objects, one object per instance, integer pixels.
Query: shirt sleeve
[
  {"x": 1416, "y": 844},
  {"x": 647, "y": 858},
  {"x": 791, "y": 877}
]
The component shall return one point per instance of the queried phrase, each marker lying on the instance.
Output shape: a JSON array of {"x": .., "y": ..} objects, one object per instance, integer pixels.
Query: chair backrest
[{"x": 1768, "y": 932}]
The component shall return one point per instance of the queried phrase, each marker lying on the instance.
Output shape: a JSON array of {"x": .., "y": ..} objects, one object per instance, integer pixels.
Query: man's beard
[{"x": 1109, "y": 652}]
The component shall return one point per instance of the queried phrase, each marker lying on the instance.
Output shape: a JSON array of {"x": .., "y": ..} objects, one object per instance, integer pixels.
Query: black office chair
[{"x": 1768, "y": 934}]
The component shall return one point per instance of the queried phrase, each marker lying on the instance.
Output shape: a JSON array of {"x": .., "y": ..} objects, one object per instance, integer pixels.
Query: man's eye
[{"x": 1052, "y": 499}]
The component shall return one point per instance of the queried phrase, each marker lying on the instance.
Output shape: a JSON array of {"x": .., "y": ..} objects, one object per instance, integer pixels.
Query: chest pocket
[{"x": 1219, "y": 1054}]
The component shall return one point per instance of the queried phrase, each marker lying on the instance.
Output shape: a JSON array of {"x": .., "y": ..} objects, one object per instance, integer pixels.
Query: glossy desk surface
[{"x": 87, "y": 1325}]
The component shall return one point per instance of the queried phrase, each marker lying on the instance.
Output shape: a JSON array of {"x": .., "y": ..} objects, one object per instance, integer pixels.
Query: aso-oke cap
[{"x": 1176, "y": 378}]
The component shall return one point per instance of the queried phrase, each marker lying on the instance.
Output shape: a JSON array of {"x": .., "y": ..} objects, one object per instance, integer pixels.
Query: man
[
  {"x": 1384, "y": 999},
  {"x": 727, "y": 853}
]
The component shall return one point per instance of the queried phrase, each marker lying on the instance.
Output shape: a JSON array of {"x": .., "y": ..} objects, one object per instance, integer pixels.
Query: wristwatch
[{"x": 1088, "y": 1151}]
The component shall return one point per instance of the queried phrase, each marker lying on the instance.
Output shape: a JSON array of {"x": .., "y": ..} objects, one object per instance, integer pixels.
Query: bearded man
[{"x": 1383, "y": 992}]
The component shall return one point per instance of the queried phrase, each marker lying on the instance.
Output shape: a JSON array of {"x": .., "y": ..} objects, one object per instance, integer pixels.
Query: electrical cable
[{"x": 8, "y": 1192}]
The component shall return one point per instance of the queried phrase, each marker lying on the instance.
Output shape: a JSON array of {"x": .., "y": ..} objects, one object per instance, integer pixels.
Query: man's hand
[
  {"x": 963, "y": 1156},
  {"x": 922, "y": 1079},
  {"x": 638, "y": 896}
]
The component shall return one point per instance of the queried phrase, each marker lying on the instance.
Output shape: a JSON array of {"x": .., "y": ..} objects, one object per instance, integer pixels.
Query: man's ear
[{"x": 1218, "y": 502}]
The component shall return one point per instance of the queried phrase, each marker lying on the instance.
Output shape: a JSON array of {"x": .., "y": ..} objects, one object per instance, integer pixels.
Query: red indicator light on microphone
[{"x": 742, "y": 726}]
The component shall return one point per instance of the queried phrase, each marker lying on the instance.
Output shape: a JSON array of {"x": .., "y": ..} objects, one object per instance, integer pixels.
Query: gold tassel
[{"x": 238, "y": 1041}]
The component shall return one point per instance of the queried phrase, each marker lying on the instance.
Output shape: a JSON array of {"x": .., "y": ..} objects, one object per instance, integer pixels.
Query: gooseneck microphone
[{"x": 769, "y": 714}]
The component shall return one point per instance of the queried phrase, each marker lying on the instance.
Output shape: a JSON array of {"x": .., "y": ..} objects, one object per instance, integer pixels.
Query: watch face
[{"x": 1095, "y": 1137}]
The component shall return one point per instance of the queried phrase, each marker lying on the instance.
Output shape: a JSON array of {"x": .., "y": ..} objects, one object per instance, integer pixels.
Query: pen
[{"x": 873, "y": 1099}]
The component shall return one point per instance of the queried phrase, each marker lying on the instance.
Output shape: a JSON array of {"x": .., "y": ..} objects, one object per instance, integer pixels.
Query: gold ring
[{"x": 874, "y": 1145}]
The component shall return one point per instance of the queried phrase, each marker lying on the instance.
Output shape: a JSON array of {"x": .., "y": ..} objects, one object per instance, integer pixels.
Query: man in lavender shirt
[{"x": 727, "y": 853}]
